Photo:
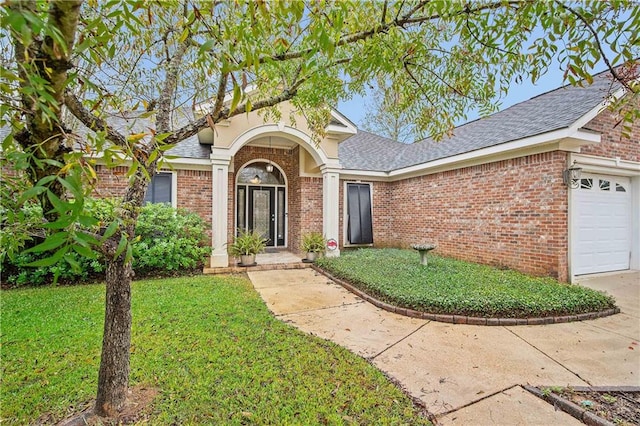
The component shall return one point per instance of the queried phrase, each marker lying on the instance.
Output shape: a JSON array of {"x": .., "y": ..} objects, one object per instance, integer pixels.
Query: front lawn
[
  {"x": 448, "y": 286},
  {"x": 208, "y": 345}
]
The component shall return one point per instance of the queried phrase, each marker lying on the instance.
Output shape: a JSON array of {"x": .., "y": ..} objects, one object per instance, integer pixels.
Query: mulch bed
[{"x": 616, "y": 405}]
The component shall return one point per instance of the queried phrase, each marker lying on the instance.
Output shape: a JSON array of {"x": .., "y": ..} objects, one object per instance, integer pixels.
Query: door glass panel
[
  {"x": 257, "y": 174},
  {"x": 604, "y": 185},
  {"x": 261, "y": 212},
  {"x": 242, "y": 222},
  {"x": 281, "y": 210}
]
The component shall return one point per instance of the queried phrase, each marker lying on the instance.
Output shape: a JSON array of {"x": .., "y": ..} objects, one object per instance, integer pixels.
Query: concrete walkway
[{"x": 469, "y": 374}]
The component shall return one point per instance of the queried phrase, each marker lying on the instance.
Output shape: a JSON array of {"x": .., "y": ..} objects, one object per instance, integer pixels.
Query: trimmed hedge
[
  {"x": 170, "y": 241},
  {"x": 449, "y": 286}
]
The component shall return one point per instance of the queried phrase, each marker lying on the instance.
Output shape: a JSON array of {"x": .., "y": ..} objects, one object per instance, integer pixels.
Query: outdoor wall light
[{"x": 571, "y": 176}]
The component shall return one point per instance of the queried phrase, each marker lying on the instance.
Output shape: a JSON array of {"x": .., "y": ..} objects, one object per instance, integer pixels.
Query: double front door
[{"x": 263, "y": 209}]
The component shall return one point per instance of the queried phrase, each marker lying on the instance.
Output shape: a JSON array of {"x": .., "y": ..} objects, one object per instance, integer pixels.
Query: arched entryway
[{"x": 261, "y": 201}]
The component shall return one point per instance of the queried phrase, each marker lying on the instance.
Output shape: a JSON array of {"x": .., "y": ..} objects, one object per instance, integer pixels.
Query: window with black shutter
[
  {"x": 359, "y": 220},
  {"x": 159, "y": 190}
]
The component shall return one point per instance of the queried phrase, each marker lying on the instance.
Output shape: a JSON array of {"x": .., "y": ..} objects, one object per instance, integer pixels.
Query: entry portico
[{"x": 265, "y": 175}]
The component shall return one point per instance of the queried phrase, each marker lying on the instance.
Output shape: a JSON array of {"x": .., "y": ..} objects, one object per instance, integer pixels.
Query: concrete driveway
[{"x": 464, "y": 373}]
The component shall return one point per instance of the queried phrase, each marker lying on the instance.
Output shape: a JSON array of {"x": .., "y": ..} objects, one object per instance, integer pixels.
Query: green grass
[
  {"x": 207, "y": 344},
  {"x": 448, "y": 286}
]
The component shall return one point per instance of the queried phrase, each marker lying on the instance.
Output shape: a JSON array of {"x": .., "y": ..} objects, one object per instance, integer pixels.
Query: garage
[{"x": 601, "y": 232}]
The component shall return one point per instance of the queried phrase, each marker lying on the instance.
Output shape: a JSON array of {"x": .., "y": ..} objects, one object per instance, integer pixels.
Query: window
[
  {"x": 605, "y": 185},
  {"x": 159, "y": 190},
  {"x": 586, "y": 183},
  {"x": 620, "y": 188},
  {"x": 359, "y": 220}
]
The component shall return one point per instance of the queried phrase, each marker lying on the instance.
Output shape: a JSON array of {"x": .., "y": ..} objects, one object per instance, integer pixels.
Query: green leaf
[
  {"x": 84, "y": 251},
  {"x": 206, "y": 46},
  {"x": 111, "y": 229},
  {"x": 51, "y": 242},
  {"x": 121, "y": 246},
  {"x": 87, "y": 221},
  {"x": 129, "y": 255},
  {"x": 30, "y": 193},
  {"x": 237, "y": 95},
  {"x": 60, "y": 206},
  {"x": 72, "y": 185},
  {"x": 52, "y": 260},
  {"x": 45, "y": 180},
  {"x": 61, "y": 223}
]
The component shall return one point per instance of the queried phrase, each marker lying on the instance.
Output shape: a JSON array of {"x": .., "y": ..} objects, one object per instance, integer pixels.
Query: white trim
[
  {"x": 593, "y": 113},
  {"x": 347, "y": 128},
  {"x": 174, "y": 189},
  {"x": 604, "y": 165},
  {"x": 190, "y": 163},
  {"x": 294, "y": 134},
  {"x": 174, "y": 185}
]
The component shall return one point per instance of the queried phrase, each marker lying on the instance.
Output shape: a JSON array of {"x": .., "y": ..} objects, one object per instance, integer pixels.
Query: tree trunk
[{"x": 113, "y": 378}]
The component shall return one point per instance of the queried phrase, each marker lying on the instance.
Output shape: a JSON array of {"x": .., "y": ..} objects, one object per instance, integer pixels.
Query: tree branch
[
  {"x": 165, "y": 100},
  {"x": 398, "y": 22},
  {"x": 594, "y": 33},
  {"x": 91, "y": 121}
]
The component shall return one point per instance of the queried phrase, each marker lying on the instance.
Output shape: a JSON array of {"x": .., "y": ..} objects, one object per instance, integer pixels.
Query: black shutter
[{"x": 360, "y": 224}]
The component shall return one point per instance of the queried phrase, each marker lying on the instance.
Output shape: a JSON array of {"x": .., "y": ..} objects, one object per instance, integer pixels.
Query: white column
[
  {"x": 331, "y": 206},
  {"x": 220, "y": 184}
]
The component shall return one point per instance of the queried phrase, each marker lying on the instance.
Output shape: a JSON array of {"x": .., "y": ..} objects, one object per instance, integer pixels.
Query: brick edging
[
  {"x": 259, "y": 267},
  {"x": 464, "y": 319},
  {"x": 569, "y": 407}
]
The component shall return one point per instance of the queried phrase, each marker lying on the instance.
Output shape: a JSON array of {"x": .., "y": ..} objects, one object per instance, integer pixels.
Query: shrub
[{"x": 169, "y": 241}]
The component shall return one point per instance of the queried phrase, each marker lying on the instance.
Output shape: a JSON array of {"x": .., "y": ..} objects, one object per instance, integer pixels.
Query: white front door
[{"x": 601, "y": 216}]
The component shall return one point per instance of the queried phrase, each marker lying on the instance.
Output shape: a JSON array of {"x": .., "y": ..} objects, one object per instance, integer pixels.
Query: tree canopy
[{"x": 90, "y": 60}]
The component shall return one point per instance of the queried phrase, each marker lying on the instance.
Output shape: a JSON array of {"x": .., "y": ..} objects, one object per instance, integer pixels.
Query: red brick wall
[
  {"x": 194, "y": 188},
  {"x": 509, "y": 213},
  {"x": 310, "y": 190},
  {"x": 195, "y": 192},
  {"x": 111, "y": 182},
  {"x": 613, "y": 144}
]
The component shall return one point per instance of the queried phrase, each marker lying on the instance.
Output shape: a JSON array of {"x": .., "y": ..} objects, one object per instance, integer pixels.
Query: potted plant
[
  {"x": 313, "y": 243},
  {"x": 246, "y": 245}
]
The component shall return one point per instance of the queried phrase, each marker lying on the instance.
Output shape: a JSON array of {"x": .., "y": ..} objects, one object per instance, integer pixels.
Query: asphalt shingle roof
[
  {"x": 188, "y": 148},
  {"x": 553, "y": 110}
]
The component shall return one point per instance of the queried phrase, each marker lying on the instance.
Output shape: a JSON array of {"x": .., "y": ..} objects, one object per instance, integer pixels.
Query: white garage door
[{"x": 601, "y": 237}]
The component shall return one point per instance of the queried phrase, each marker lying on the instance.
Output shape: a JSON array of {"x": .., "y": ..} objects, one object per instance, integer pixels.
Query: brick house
[{"x": 493, "y": 193}]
